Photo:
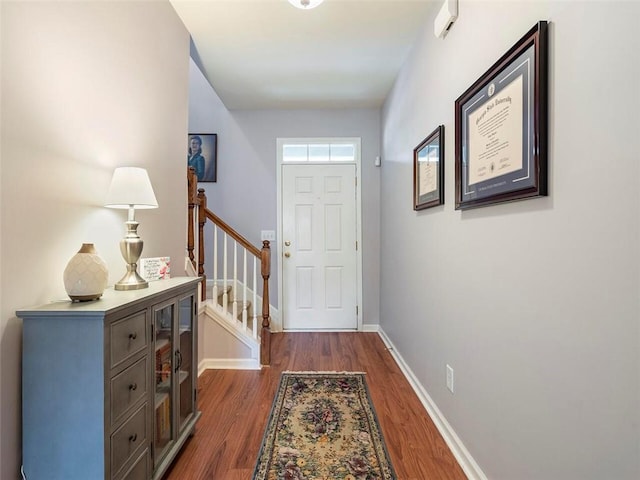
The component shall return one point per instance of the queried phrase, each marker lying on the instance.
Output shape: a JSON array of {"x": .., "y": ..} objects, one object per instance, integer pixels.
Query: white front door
[{"x": 319, "y": 247}]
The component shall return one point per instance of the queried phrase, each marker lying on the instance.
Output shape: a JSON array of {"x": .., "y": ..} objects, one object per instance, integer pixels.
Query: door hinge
[
  {"x": 356, "y": 180},
  {"x": 356, "y": 245},
  {"x": 357, "y": 310}
]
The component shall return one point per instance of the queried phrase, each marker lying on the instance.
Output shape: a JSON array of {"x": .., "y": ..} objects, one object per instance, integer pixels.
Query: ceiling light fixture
[{"x": 305, "y": 4}]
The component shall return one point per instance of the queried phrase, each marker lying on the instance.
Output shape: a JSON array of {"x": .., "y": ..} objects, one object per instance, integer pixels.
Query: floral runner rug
[{"x": 323, "y": 427}]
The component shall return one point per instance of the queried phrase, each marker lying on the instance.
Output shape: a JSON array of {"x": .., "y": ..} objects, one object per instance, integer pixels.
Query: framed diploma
[
  {"x": 501, "y": 128},
  {"x": 428, "y": 171}
]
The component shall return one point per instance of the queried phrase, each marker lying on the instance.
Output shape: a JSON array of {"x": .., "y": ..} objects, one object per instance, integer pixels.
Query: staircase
[
  {"x": 233, "y": 343},
  {"x": 239, "y": 310}
]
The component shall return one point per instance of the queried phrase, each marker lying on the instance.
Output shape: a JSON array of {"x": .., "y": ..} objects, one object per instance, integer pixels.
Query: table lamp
[{"x": 131, "y": 188}]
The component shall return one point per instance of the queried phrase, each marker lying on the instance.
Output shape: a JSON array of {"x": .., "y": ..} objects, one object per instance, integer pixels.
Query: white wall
[
  {"x": 534, "y": 303},
  {"x": 12, "y": 375},
  {"x": 245, "y": 195},
  {"x": 86, "y": 87}
]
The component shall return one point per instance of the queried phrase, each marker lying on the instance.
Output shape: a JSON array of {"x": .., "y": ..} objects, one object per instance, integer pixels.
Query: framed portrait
[
  {"x": 428, "y": 171},
  {"x": 202, "y": 155},
  {"x": 501, "y": 128}
]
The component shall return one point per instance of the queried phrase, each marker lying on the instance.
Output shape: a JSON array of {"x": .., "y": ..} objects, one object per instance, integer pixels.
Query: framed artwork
[
  {"x": 501, "y": 128},
  {"x": 428, "y": 171},
  {"x": 202, "y": 155}
]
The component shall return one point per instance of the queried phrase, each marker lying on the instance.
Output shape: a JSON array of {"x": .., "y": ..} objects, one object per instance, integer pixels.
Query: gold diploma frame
[
  {"x": 501, "y": 128},
  {"x": 428, "y": 171}
]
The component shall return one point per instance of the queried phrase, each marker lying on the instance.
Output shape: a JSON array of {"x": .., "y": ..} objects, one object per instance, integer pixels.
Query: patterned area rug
[{"x": 323, "y": 427}]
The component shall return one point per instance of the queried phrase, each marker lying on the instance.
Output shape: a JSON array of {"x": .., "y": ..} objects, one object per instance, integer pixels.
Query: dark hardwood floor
[{"x": 235, "y": 407}]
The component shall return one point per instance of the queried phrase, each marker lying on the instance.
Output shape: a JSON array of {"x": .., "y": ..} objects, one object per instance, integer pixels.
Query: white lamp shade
[
  {"x": 131, "y": 187},
  {"x": 305, "y": 4}
]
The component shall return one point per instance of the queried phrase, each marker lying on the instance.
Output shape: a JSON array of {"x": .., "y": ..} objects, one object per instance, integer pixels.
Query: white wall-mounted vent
[{"x": 445, "y": 18}]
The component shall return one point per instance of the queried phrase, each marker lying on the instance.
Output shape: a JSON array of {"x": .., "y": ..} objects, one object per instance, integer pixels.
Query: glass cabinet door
[
  {"x": 164, "y": 320},
  {"x": 186, "y": 362}
]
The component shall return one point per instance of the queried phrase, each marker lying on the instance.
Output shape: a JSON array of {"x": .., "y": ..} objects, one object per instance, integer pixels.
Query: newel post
[
  {"x": 202, "y": 204},
  {"x": 265, "y": 337},
  {"x": 192, "y": 194}
]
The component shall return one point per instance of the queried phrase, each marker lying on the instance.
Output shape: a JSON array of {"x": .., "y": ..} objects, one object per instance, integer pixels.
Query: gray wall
[
  {"x": 534, "y": 303},
  {"x": 245, "y": 195},
  {"x": 86, "y": 87}
]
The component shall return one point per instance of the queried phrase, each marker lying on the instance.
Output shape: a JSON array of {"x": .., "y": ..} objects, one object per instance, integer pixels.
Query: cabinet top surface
[{"x": 111, "y": 300}]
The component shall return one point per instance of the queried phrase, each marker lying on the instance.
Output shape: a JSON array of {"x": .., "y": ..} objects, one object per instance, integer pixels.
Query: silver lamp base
[
  {"x": 131, "y": 280},
  {"x": 131, "y": 249}
]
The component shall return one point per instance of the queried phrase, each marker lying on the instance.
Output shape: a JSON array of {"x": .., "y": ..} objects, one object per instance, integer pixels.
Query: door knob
[
  {"x": 287, "y": 254},
  {"x": 287, "y": 243}
]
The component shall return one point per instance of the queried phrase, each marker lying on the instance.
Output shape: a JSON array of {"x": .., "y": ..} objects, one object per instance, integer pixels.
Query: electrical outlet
[
  {"x": 450, "y": 378},
  {"x": 267, "y": 235}
]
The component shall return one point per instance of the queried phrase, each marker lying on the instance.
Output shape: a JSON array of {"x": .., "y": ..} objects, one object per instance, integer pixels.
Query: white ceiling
[{"x": 267, "y": 54}]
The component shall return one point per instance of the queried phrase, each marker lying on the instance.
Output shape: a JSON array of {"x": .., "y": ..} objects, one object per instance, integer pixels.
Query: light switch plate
[
  {"x": 269, "y": 235},
  {"x": 450, "y": 378}
]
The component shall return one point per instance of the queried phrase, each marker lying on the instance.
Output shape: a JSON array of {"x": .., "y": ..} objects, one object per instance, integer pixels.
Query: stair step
[
  {"x": 221, "y": 290},
  {"x": 230, "y": 309},
  {"x": 229, "y": 292}
]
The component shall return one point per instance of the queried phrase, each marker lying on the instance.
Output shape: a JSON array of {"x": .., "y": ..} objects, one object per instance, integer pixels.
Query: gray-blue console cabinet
[{"x": 109, "y": 387}]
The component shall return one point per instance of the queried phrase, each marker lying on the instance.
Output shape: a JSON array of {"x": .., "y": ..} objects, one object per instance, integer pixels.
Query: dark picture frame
[
  {"x": 428, "y": 171},
  {"x": 205, "y": 162},
  {"x": 501, "y": 128}
]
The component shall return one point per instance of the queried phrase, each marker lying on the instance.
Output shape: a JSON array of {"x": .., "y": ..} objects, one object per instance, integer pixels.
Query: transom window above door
[{"x": 319, "y": 151}]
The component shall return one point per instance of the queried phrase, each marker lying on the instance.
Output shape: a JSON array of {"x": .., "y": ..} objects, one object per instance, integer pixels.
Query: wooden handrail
[
  {"x": 197, "y": 198},
  {"x": 231, "y": 232}
]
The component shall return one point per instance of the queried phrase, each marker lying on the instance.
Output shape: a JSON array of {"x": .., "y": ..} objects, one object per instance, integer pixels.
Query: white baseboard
[
  {"x": 228, "y": 364},
  {"x": 370, "y": 327},
  {"x": 462, "y": 455}
]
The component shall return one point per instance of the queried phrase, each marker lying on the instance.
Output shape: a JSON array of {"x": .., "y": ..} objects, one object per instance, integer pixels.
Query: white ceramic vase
[{"x": 86, "y": 275}]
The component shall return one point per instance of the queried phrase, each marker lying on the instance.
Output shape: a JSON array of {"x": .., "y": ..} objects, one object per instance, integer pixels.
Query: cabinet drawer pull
[
  {"x": 133, "y": 336},
  {"x": 133, "y": 386},
  {"x": 133, "y": 437}
]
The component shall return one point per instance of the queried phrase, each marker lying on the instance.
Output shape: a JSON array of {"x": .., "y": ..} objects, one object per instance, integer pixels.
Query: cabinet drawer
[
  {"x": 140, "y": 469},
  {"x": 128, "y": 337},
  {"x": 128, "y": 440},
  {"x": 128, "y": 387}
]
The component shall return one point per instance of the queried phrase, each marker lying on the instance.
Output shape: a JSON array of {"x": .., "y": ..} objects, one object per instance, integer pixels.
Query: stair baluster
[
  {"x": 225, "y": 290},
  {"x": 245, "y": 306},
  {"x": 234, "y": 305},
  {"x": 215, "y": 263},
  {"x": 254, "y": 326}
]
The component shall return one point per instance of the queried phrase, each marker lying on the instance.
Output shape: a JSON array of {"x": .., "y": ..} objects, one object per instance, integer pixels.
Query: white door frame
[{"x": 357, "y": 142}]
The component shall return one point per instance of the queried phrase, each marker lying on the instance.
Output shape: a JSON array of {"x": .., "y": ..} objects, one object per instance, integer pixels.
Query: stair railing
[{"x": 223, "y": 234}]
